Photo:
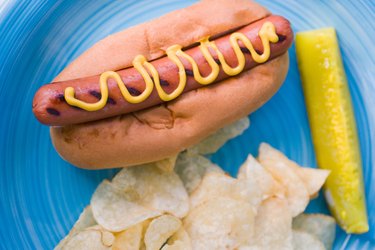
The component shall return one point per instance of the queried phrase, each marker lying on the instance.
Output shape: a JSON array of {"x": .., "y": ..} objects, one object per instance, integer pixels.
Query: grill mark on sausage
[
  {"x": 164, "y": 83},
  {"x": 98, "y": 96},
  {"x": 53, "y": 111},
  {"x": 95, "y": 94},
  {"x": 281, "y": 38},
  {"x": 60, "y": 97},
  {"x": 217, "y": 61},
  {"x": 259, "y": 52},
  {"x": 245, "y": 50},
  {"x": 189, "y": 72},
  {"x": 133, "y": 91},
  {"x": 111, "y": 101}
]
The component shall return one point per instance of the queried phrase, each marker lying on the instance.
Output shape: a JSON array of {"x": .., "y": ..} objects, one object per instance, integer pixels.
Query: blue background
[{"x": 41, "y": 196}]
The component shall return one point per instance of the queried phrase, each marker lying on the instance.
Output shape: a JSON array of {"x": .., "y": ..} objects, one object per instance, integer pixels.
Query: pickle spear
[{"x": 333, "y": 127}]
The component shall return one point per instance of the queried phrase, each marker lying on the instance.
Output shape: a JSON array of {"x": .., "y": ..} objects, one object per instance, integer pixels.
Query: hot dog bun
[{"x": 159, "y": 132}]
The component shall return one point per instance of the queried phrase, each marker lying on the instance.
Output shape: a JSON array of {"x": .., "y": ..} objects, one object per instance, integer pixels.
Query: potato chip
[
  {"x": 179, "y": 241},
  {"x": 160, "y": 230},
  {"x": 216, "y": 185},
  {"x": 142, "y": 206},
  {"x": 212, "y": 143},
  {"x": 145, "y": 225},
  {"x": 221, "y": 223},
  {"x": 252, "y": 170},
  {"x": 306, "y": 241},
  {"x": 295, "y": 190},
  {"x": 107, "y": 237},
  {"x": 154, "y": 189},
  {"x": 85, "y": 220},
  {"x": 129, "y": 239},
  {"x": 63, "y": 242},
  {"x": 321, "y": 226},
  {"x": 167, "y": 164},
  {"x": 312, "y": 178},
  {"x": 273, "y": 226},
  {"x": 115, "y": 211},
  {"x": 191, "y": 168},
  {"x": 90, "y": 238},
  {"x": 178, "y": 245}
]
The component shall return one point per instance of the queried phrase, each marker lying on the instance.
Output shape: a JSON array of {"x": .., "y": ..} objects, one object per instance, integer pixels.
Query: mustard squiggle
[{"x": 267, "y": 34}]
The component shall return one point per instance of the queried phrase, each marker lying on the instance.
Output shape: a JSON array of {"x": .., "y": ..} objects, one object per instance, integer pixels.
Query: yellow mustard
[{"x": 267, "y": 34}]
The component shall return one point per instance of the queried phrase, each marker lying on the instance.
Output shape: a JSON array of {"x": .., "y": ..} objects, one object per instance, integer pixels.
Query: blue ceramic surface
[{"x": 41, "y": 196}]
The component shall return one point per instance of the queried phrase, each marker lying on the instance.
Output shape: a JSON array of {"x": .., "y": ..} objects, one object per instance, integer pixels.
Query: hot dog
[
  {"x": 51, "y": 108},
  {"x": 154, "y": 128}
]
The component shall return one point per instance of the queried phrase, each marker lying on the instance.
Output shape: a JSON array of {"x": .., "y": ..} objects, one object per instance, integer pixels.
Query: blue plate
[{"x": 41, "y": 196}]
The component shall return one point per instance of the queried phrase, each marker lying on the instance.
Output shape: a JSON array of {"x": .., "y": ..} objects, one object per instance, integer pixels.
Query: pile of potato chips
[{"x": 187, "y": 202}]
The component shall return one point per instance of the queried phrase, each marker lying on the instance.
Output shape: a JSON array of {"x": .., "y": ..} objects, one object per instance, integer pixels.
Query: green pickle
[{"x": 333, "y": 127}]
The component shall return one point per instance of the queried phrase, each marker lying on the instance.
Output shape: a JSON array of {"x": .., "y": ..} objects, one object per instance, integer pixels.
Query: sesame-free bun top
[{"x": 163, "y": 131}]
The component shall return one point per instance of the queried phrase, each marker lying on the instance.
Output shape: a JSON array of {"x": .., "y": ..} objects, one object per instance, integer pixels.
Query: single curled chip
[
  {"x": 114, "y": 210},
  {"x": 155, "y": 189},
  {"x": 295, "y": 189},
  {"x": 221, "y": 223},
  {"x": 160, "y": 230}
]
